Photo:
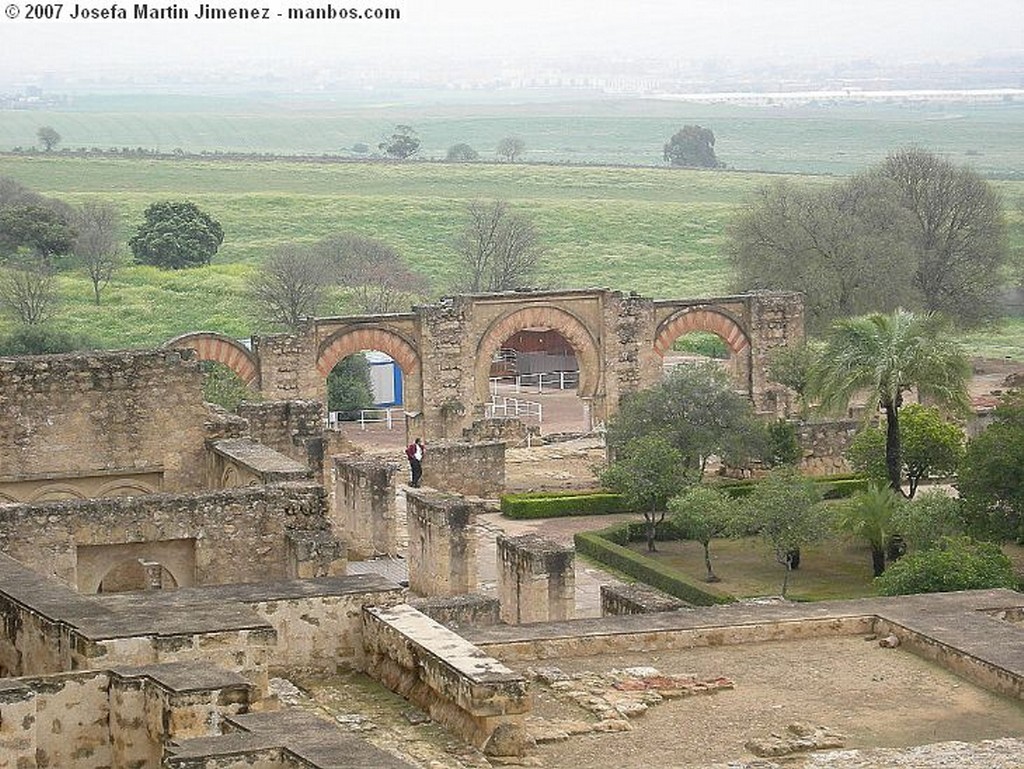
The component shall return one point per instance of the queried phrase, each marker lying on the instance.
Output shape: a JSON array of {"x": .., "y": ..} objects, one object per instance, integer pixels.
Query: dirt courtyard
[{"x": 872, "y": 696}]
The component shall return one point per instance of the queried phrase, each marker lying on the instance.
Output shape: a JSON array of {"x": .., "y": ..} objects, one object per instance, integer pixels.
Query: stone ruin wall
[
  {"x": 473, "y": 469},
  {"x": 236, "y": 535},
  {"x": 106, "y": 415},
  {"x": 824, "y": 445},
  {"x": 294, "y": 428},
  {"x": 363, "y": 511}
]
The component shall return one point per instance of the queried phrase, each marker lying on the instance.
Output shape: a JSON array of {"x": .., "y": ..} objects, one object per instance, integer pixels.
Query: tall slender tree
[{"x": 888, "y": 356}]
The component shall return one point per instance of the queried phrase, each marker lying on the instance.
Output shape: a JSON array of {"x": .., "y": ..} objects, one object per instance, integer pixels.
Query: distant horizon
[{"x": 459, "y": 40}]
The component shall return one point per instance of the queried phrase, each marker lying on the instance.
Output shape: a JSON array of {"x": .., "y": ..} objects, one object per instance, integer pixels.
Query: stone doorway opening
[{"x": 366, "y": 398}]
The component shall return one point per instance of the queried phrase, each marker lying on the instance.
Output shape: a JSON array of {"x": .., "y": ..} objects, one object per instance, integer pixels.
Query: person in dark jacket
[{"x": 414, "y": 451}]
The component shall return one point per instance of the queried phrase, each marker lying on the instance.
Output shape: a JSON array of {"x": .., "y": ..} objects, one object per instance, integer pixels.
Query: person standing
[{"x": 414, "y": 451}]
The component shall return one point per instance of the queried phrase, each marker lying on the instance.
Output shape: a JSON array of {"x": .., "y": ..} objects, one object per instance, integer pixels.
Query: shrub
[
  {"x": 553, "y": 505},
  {"x": 43, "y": 340},
  {"x": 648, "y": 571},
  {"x": 957, "y": 563}
]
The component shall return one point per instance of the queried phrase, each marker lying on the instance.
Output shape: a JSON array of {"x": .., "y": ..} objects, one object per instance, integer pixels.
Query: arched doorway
[
  {"x": 373, "y": 379},
  {"x": 135, "y": 574},
  {"x": 700, "y": 335},
  {"x": 539, "y": 364}
]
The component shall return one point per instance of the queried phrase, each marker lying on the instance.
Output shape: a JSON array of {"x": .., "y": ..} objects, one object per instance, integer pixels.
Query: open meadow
[{"x": 652, "y": 229}]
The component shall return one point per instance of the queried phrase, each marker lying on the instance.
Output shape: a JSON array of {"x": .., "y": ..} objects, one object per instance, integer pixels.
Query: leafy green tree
[
  {"x": 786, "y": 511},
  {"x": 692, "y": 146},
  {"x": 930, "y": 516},
  {"x": 959, "y": 233},
  {"x": 511, "y": 148},
  {"x": 175, "y": 235},
  {"x": 648, "y": 474},
  {"x": 791, "y": 366},
  {"x": 956, "y": 563},
  {"x": 461, "y": 153},
  {"x": 781, "y": 446},
  {"x": 97, "y": 245},
  {"x": 402, "y": 144},
  {"x": 348, "y": 386},
  {"x": 915, "y": 231},
  {"x": 48, "y": 137},
  {"x": 849, "y": 248},
  {"x": 929, "y": 447},
  {"x": 991, "y": 477},
  {"x": 702, "y": 514},
  {"x": 37, "y": 228},
  {"x": 869, "y": 515},
  {"x": 43, "y": 340},
  {"x": 887, "y": 356},
  {"x": 697, "y": 412}
]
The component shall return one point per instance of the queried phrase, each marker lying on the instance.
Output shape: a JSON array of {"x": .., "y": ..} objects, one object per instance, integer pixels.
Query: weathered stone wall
[
  {"x": 455, "y": 611},
  {"x": 294, "y": 428},
  {"x": 636, "y": 599},
  {"x": 475, "y": 469},
  {"x": 363, "y": 508},
  {"x": 238, "y": 535},
  {"x": 99, "y": 719},
  {"x": 510, "y": 431},
  {"x": 824, "y": 444},
  {"x": 776, "y": 320},
  {"x": 442, "y": 544},
  {"x": 236, "y": 462},
  {"x": 109, "y": 414},
  {"x": 441, "y": 672},
  {"x": 288, "y": 366},
  {"x": 536, "y": 579}
]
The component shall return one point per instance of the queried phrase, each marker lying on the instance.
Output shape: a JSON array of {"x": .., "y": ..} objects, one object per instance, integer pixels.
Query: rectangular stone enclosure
[
  {"x": 442, "y": 544},
  {"x": 536, "y": 579}
]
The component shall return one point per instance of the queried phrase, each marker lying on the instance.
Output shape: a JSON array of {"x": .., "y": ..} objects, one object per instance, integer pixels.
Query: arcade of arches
[{"x": 446, "y": 349}]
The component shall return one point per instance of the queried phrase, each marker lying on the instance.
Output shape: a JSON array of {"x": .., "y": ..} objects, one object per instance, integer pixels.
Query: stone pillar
[
  {"x": 363, "y": 509},
  {"x": 776, "y": 320},
  {"x": 442, "y": 544},
  {"x": 313, "y": 554},
  {"x": 288, "y": 366},
  {"x": 536, "y": 580}
]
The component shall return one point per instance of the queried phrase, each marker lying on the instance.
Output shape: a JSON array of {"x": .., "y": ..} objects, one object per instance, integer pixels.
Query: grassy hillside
[{"x": 658, "y": 231}]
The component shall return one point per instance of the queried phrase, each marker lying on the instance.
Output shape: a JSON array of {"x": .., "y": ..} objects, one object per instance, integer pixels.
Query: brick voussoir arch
[
  {"x": 716, "y": 321},
  {"x": 347, "y": 341},
  {"x": 210, "y": 345},
  {"x": 544, "y": 316}
]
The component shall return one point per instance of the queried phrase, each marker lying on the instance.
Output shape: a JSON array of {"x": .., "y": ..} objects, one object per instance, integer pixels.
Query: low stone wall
[
  {"x": 636, "y": 599},
  {"x": 510, "y": 431},
  {"x": 236, "y": 535},
  {"x": 251, "y": 629},
  {"x": 474, "y": 469},
  {"x": 823, "y": 445},
  {"x": 294, "y": 428},
  {"x": 459, "y": 686},
  {"x": 103, "y": 718},
  {"x": 470, "y": 610},
  {"x": 363, "y": 506},
  {"x": 237, "y": 462}
]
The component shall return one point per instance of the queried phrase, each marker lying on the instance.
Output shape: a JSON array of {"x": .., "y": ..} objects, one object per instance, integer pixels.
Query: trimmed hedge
[
  {"x": 607, "y": 551},
  {"x": 553, "y": 505},
  {"x": 833, "y": 486}
]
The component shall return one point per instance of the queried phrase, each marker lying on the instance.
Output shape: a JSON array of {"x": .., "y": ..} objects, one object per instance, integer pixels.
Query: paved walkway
[{"x": 489, "y": 525}]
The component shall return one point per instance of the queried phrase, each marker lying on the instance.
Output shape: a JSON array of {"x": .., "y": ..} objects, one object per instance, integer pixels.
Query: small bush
[
  {"x": 554, "y": 505},
  {"x": 957, "y": 563},
  {"x": 646, "y": 570},
  {"x": 43, "y": 340}
]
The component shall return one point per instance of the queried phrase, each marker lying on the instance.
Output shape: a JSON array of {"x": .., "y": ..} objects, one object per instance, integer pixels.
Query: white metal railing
[
  {"x": 366, "y": 417},
  {"x": 500, "y": 406},
  {"x": 552, "y": 380}
]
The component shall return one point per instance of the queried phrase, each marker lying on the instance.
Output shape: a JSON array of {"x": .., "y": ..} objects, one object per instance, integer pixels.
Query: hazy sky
[{"x": 439, "y": 31}]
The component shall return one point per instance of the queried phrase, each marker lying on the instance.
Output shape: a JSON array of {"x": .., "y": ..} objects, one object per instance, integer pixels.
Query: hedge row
[
  {"x": 833, "y": 486},
  {"x": 552, "y": 505},
  {"x": 595, "y": 545}
]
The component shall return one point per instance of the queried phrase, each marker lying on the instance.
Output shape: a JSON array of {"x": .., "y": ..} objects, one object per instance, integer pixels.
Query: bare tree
[
  {"x": 28, "y": 289},
  {"x": 375, "y": 272},
  {"x": 290, "y": 285},
  {"x": 49, "y": 137},
  {"x": 511, "y": 148},
  {"x": 96, "y": 243},
  {"x": 498, "y": 249}
]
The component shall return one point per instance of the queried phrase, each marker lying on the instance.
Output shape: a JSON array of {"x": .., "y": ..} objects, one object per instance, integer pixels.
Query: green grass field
[
  {"x": 656, "y": 230},
  {"x": 561, "y": 127}
]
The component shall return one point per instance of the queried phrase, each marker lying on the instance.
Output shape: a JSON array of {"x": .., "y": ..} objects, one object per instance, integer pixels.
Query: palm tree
[
  {"x": 888, "y": 356},
  {"x": 869, "y": 515}
]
